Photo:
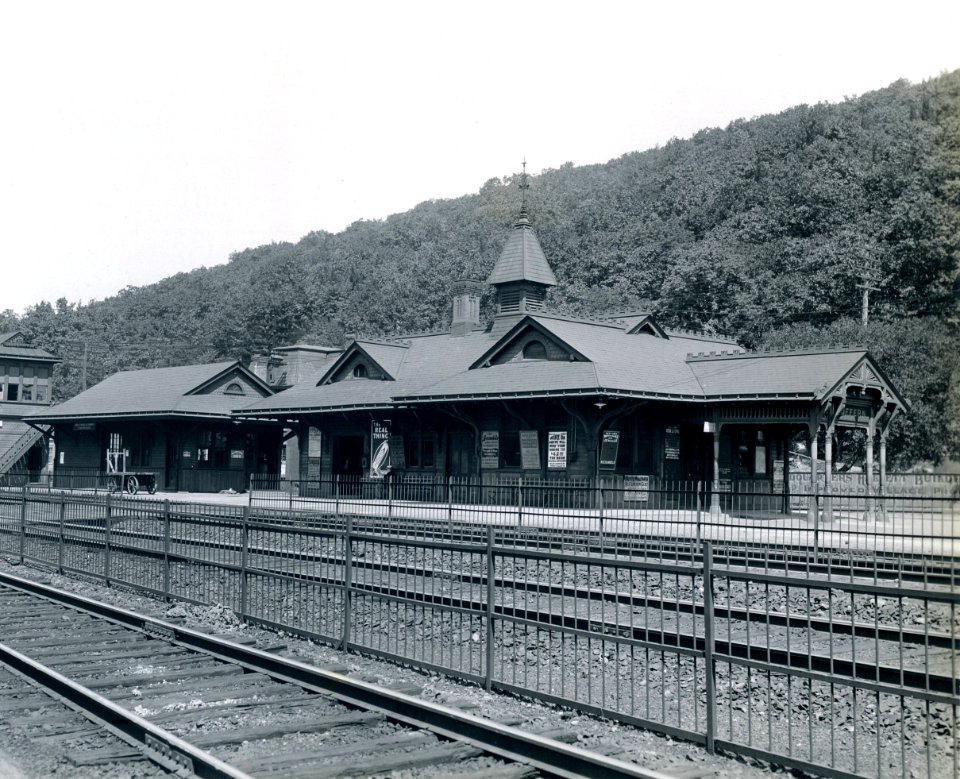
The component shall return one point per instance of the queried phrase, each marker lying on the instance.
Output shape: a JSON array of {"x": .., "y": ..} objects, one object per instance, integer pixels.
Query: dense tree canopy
[{"x": 762, "y": 231}]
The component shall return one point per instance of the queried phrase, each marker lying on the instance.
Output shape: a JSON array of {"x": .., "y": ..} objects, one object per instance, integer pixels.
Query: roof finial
[{"x": 524, "y": 186}]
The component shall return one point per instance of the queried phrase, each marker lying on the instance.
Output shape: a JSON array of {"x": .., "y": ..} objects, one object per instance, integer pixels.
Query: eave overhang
[
  {"x": 131, "y": 415},
  {"x": 282, "y": 413}
]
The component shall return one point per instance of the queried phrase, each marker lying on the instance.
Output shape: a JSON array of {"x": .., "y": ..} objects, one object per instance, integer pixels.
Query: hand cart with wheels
[
  {"x": 132, "y": 483},
  {"x": 119, "y": 479}
]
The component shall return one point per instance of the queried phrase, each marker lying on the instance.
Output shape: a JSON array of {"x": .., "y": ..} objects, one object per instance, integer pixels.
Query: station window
[
  {"x": 360, "y": 371},
  {"x": 419, "y": 450},
  {"x": 234, "y": 388},
  {"x": 751, "y": 452},
  {"x": 510, "y": 445}
]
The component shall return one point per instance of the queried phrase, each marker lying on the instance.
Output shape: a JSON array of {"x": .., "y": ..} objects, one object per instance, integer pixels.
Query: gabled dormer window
[
  {"x": 234, "y": 388},
  {"x": 534, "y": 350},
  {"x": 360, "y": 371}
]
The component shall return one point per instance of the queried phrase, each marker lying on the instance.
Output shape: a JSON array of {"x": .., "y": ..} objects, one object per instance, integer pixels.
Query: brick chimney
[{"x": 466, "y": 307}]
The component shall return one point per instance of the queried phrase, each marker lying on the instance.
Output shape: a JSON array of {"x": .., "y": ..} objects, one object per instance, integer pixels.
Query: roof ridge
[
  {"x": 577, "y": 319},
  {"x": 747, "y": 354}
]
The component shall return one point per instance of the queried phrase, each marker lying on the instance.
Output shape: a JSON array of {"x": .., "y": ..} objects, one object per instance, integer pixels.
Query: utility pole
[{"x": 867, "y": 288}]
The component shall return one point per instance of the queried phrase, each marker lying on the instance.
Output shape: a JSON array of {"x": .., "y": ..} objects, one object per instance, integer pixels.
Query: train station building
[
  {"x": 555, "y": 399},
  {"x": 529, "y": 395}
]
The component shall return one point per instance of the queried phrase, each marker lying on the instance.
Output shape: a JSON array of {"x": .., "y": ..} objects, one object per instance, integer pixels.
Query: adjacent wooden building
[
  {"x": 26, "y": 384},
  {"x": 174, "y": 423}
]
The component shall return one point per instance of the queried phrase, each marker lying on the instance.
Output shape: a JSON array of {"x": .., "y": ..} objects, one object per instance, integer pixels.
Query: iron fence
[{"x": 813, "y": 657}]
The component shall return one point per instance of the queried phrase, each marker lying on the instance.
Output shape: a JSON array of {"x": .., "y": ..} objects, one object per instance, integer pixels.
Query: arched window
[
  {"x": 234, "y": 389},
  {"x": 534, "y": 350},
  {"x": 360, "y": 371}
]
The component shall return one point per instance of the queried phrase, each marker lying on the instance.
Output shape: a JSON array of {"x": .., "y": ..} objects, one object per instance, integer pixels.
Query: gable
[
  {"x": 866, "y": 380},
  {"x": 234, "y": 384},
  {"x": 357, "y": 367},
  {"x": 369, "y": 360},
  {"x": 15, "y": 338},
  {"x": 523, "y": 342},
  {"x": 647, "y": 326}
]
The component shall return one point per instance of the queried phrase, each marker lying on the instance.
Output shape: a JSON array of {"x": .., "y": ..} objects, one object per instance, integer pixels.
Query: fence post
[
  {"x": 336, "y": 495},
  {"x": 23, "y": 522},
  {"x": 347, "y": 581},
  {"x": 708, "y": 639},
  {"x": 244, "y": 561},
  {"x": 166, "y": 549},
  {"x": 600, "y": 502},
  {"x": 491, "y": 572},
  {"x": 63, "y": 514},
  {"x": 450, "y": 504},
  {"x": 106, "y": 538},
  {"x": 815, "y": 499},
  {"x": 699, "y": 510},
  {"x": 520, "y": 502},
  {"x": 389, "y": 478}
]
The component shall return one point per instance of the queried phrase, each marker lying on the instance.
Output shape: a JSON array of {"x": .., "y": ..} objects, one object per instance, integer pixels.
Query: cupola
[{"x": 522, "y": 274}]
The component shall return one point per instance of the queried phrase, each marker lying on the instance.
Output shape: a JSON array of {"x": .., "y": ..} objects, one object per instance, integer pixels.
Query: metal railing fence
[
  {"x": 807, "y": 660},
  {"x": 624, "y": 516}
]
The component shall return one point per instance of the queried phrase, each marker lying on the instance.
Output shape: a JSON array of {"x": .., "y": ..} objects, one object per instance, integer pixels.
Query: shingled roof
[
  {"x": 605, "y": 359},
  {"x": 15, "y": 345},
  {"x": 522, "y": 258},
  {"x": 158, "y": 392}
]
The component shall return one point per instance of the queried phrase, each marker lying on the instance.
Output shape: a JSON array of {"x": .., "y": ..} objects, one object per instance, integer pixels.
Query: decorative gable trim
[
  {"x": 865, "y": 374},
  {"x": 649, "y": 326},
  {"x": 518, "y": 333},
  {"x": 349, "y": 356},
  {"x": 14, "y": 338},
  {"x": 236, "y": 370}
]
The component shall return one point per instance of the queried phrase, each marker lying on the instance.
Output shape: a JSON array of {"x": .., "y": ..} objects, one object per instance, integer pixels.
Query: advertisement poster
[
  {"x": 529, "y": 450},
  {"x": 609, "y": 447},
  {"x": 778, "y": 476},
  {"x": 636, "y": 488},
  {"x": 490, "y": 449},
  {"x": 557, "y": 449},
  {"x": 398, "y": 454},
  {"x": 671, "y": 443},
  {"x": 379, "y": 449}
]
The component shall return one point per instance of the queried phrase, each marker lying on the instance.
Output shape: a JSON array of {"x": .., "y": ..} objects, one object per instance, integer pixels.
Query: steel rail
[
  {"x": 550, "y": 757},
  {"x": 159, "y": 745}
]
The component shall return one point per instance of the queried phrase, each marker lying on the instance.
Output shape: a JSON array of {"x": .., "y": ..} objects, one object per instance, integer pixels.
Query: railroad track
[{"x": 199, "y": 705}]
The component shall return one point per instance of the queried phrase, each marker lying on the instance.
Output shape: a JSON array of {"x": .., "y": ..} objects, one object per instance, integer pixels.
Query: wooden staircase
[{"x": 16, "y": 438}]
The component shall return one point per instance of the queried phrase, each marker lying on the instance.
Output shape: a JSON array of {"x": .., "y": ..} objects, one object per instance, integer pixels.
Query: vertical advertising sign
[
  {"x": 608, "y": 450},
  {"x": 379, "y": 449},
  {"x": 556, "y": 449},
  {"x": 490, "y": 449},
  {"x": 529, "y": 450}
]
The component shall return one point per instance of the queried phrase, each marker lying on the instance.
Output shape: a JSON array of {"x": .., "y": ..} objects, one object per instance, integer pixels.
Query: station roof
[
  {"x": 588, "y": 358},
  {"x": 182, "y": 391}
]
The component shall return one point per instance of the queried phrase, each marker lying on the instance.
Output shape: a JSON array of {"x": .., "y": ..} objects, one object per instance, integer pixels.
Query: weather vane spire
[{"x": 524, "y": 186}]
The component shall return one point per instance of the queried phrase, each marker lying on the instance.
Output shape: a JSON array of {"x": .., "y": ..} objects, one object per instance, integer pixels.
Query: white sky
[{"x": 141, "y": 139}]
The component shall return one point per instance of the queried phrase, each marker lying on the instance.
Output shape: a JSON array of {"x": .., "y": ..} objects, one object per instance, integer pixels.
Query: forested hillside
[{"x": 761, "y": 230}]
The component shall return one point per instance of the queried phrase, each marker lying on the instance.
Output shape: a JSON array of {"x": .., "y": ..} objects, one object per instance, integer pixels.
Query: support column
[
  {"x": 883, "y": 473},
  {"x": 871, "y": 433},
  {"x": 715, "y": 507},
  {"x": 828, "y": 475},
  {"x": 812, "y": 508}
]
